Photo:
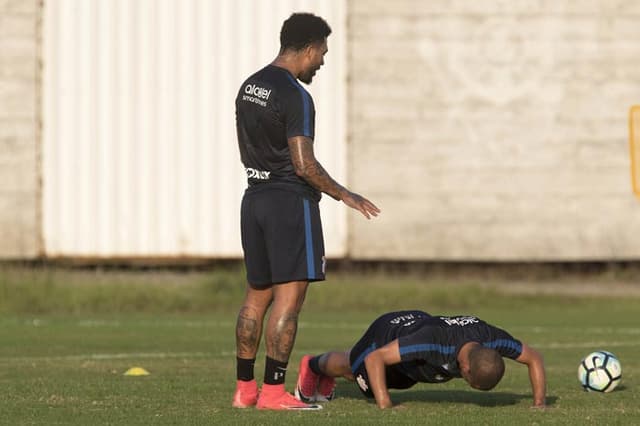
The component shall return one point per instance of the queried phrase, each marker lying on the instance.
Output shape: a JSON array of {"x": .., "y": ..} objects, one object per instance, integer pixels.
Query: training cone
[{"x": 136, "y": 371}]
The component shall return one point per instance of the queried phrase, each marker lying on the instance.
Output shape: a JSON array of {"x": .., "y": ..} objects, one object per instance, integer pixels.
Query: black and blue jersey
[
  {"x": 429, "y": 346},
  {"x": 271, "y": 107}
]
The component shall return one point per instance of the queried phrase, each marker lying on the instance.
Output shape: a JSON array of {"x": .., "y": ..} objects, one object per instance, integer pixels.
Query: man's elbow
[
  {"x": 371, "y": 359},
  {"x": 537, "y": 356},
  {"x": 306, "y": 170},
  {"x": 367, "y": 361},
  {"x": 301, "y": 172}
]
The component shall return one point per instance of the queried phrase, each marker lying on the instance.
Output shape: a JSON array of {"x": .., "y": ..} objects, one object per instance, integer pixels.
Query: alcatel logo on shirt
[
  {"x": 257, "y": 91},
  {"x": 461, "y": 321}
]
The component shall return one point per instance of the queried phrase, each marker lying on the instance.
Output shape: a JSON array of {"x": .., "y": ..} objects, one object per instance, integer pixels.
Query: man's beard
[{"x": 307, "y": 77}]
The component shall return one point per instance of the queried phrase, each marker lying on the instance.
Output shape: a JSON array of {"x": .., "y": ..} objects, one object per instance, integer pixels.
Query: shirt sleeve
[
  {"x": 299, "y": 113},
  {"x": 504, "y": 343}
]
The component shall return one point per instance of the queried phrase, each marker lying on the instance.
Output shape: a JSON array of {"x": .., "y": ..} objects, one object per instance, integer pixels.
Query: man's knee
[
  {"x": 290, "y": 296},
  {"x": 258, "y": 299}
]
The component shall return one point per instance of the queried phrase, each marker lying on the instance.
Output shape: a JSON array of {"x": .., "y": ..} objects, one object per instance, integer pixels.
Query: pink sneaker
[
  {"x": 246, "y": 394},
  {"x": 274, "y": 397},
  {"x": 326, "y": 389},
  {"x": 307, "y": 381}
]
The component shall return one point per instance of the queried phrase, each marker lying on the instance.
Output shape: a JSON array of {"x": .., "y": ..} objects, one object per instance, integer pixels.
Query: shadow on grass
[{"x": 483, "y": 399}]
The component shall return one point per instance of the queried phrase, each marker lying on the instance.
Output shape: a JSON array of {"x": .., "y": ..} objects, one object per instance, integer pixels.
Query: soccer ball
[{"x": 600, "y": 371}]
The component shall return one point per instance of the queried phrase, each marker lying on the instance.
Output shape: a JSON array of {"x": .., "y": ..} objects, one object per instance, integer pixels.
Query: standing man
[{"x": 280, "y": 218}]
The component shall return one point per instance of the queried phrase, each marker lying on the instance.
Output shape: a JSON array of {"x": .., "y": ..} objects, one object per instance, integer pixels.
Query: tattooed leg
[
  {"x": 283, "y": 319},
  {"x": 250, "y": 319}
]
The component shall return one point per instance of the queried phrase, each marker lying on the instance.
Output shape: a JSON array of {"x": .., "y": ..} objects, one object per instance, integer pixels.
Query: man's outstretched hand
[{"x": 358, "y": 202}]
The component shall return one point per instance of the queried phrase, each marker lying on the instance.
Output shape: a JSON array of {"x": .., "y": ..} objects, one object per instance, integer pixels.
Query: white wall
[
  {"x": 19, "y": 129},
  {"x": 140, "y": 153},
  {"x": 497, "y": 129}
]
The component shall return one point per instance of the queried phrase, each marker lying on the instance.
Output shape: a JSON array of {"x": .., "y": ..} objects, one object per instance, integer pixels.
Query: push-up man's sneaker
[
  {"x": 307, "y": 381},
  {"x": 246, "y": 394},
  {"x": 275, "y": 397},
  {"x": 326, "y": 389}
]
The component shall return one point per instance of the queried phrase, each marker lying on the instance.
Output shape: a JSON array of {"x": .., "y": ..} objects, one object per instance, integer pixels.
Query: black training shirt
[
  {"x": 271, "y": 107},
  {"x": 429, "y": 345}
]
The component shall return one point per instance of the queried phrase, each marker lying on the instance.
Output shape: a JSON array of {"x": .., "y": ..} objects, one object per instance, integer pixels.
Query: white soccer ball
[{"x": 600, "y": 371}]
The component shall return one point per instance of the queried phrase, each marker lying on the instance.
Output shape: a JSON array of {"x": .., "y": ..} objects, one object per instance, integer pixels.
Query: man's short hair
[
  {"x": 486, "y": 368},
  {"x": 301, "y": 30}
]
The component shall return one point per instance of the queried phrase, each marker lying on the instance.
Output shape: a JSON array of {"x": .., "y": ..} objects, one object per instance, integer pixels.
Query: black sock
[
  {"x": 274, "y": 372},
  {"x": 314, "y": 365},
  {"x": 244, "y": 369}
]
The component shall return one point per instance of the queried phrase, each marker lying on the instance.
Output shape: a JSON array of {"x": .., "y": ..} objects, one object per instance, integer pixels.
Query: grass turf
[{"x": 62, "y": 358}]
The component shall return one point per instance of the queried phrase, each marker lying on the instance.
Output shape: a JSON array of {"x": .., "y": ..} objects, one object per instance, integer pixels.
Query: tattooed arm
[{"x": 309, "y": 169}]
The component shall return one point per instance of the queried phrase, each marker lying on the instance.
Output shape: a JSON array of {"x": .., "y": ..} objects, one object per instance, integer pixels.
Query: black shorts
[
  {"x": 281, "y": 237},
  {"x": 373, "y": 339}
]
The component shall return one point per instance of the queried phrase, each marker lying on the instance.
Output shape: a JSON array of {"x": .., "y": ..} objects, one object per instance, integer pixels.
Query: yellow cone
[{"x": 136, "y": 371}]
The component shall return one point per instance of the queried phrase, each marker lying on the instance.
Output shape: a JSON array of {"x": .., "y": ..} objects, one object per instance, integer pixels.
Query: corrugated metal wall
[{"x": 139, "y": 148}]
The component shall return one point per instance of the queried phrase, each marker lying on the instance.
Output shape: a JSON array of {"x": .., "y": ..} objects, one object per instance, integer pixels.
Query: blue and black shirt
[{"x": 271, "y": 107}]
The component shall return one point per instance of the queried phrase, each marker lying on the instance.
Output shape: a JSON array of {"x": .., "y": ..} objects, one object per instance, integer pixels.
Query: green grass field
[{"x": 67, "y": 337}]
